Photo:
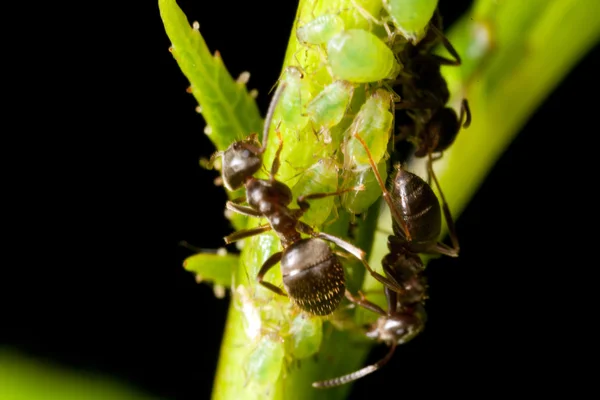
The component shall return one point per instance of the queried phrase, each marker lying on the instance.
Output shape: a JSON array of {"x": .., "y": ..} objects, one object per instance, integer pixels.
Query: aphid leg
[
  {"x": 357, "y": 374},
  {"x": 355, "y": 251},
  {"x": 386, "y": 195},
  {"x": 442, "y": 60},
  {"x": 211, "y": 162},
  {"x": 465, "y": 114},
  {"x": 270, "y": 263},
  {"x": 335, "y": 217},
  {"x": 366, "y": 15},
  {"x": 245, "y": 233},
  {"x": 441, "y": 247},
  {"x": 363, "y": 302},
  {"x": 276, "y": 160},
  {"x": 247, "y": 211}
]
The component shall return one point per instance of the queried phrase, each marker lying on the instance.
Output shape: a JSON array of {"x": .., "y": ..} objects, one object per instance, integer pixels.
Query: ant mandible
[{"x": 313, "y": 276}]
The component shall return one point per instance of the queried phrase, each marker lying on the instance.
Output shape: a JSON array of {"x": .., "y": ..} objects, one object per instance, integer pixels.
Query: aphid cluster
[
  {"x": 415, "y": 110},
  {"x": 368, "y": 75}
]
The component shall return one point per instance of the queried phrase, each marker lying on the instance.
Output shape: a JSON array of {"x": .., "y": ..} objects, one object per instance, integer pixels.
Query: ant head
[
  {"x": 241, "y": 160},
  {"x": 400, "y": 327}
]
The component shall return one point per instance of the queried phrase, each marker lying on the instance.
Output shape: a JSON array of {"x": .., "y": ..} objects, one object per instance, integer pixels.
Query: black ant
[
  {"x": 313, "y": 276},
  {"x": 411, "y": 200},
  {"x": 424, "y": 93}
]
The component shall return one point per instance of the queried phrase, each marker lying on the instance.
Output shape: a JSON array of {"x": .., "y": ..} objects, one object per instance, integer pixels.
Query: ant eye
[{"x": 246, "y": 153}]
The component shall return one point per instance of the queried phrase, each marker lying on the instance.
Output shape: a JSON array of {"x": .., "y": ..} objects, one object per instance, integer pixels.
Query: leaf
[
  {"x": 24, "y": 378},
  {"x": 230, "y": 112},
  {"x": 213, "y": 267}
]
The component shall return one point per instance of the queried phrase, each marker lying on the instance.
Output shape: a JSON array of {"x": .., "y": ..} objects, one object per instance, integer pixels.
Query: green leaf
[
  {"x": 212, "y": 268},
  {"x": 230, "y": 112},
  {"x": 24, "y": 378}
]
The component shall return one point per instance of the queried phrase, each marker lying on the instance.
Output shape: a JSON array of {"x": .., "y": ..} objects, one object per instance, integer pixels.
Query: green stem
[{"x": 514, "y": 54}]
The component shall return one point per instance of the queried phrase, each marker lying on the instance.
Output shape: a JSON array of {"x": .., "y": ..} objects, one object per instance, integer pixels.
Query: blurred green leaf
[
  {"x": 213, "y": 268},
  {"x": 230, "y": 112},
  {"x": 25, "y": 378}
]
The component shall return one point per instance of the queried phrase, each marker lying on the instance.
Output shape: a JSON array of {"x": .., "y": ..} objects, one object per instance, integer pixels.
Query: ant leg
[
  {"x": 440, "y": 247},
  {"x": 361, "y": 255},
  {"x": 245, "y": 233},
  {"x": 270, "y": 263},
  {"x": 433, "y": 158},
  {"x": 341, "y": 380},
  {"x": 448, "y": 46},
  {"x": 386, "y": 195},
  {"x": 465, "y": 113},
  {"x": 303, "y": 200},
  {"x": 238, "y": 200},
  {"x": 247, "y": 211},
  {"x": 363, "y": 302}
]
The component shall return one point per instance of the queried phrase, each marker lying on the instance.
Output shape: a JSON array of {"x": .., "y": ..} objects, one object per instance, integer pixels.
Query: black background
[{"x": 100, "y": 282}]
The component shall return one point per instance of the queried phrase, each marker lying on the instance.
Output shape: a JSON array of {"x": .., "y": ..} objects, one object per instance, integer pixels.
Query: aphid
[
  {"x": 320, "y": 30},
  {"x": 416, "y": 214},
  {"x": 306, "y": 335},
  {"x": 321, "y": 177},
  {"x": 294, "y": 98},
  {"x": 359, "y": 202},
  {"x": 265, "y": 361},
  {"x": 411, "y": 17},
  {"x": 312, "y": 274},
  {"x": 374, "y": 124},
  {"x": 359, "y": 56},
  {"x": 329, "y": 106}
]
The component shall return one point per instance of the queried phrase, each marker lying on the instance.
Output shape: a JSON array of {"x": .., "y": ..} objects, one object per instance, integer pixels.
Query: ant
[
  {"x": 313, "y": 276},
  {"x": 424, "y": 93},
  {"x": 411, "y": 200}
]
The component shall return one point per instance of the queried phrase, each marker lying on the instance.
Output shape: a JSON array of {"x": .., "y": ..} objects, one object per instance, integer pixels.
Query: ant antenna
[
  {"x": 269, "y": 117},
  {"x": 357, "y": 374}
]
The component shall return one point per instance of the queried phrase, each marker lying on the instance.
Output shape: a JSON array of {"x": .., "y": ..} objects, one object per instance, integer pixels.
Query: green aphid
[
  {"x": 306, "y": 335},
  {"x": 293, "y": 99},
  {"x": 374, "y": 124},
  {"x": 321, "y": 177},
  {"x": 320, "y": 30},
  {"x": 411, "y": 17},
  {"x": 357, "y": 202},
  {"x": 359, "y": 56},
  {"x": 265, "y": 361},
  {"x": 328, "y": 107}
]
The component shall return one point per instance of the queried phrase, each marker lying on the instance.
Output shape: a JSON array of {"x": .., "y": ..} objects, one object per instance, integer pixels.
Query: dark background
[{"x": 103, "y": 289}]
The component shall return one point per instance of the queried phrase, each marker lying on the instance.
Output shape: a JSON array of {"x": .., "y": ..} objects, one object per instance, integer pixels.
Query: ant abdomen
[
  {"x": 419, "y": 207},
  {"x": 447, "y": 124},
  {"x": 313, "y": 276}
]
